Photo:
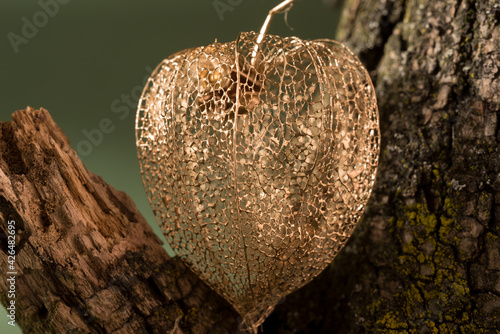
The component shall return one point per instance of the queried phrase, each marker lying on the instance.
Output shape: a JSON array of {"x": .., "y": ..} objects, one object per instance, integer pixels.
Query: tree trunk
[
  {"x": 426, "y": 256},
  {"x": 86, "y": 261}
]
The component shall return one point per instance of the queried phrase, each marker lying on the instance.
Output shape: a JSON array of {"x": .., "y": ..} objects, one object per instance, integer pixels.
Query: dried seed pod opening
[{"x": 258, "y": 166}]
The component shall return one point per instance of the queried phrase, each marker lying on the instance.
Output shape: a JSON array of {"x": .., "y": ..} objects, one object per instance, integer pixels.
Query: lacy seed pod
[{"x": 258, "y": 157}]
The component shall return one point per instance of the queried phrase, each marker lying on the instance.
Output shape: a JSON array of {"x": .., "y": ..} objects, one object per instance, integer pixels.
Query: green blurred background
[{"x": 85, "y": 60}]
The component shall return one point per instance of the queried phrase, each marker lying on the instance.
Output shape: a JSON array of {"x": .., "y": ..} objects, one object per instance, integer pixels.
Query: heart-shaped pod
[{"x": 258, "y": 158}]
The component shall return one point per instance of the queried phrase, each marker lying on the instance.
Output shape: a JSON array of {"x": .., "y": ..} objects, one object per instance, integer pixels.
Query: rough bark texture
[
  {"x": 86, "y": 260},
  {"x": 426, "y": 256}
]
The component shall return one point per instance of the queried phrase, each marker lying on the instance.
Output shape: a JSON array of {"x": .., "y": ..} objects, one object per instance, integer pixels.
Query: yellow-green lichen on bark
[{"x": 436, "y": 295}]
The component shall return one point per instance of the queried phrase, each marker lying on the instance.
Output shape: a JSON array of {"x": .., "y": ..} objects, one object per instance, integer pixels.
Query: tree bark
[
  {"x": 426, "y": 256},
  {"x": 86, "y": 260}
]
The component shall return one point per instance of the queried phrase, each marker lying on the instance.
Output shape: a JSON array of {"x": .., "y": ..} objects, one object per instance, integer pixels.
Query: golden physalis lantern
[{"x": 258, "y": 157}]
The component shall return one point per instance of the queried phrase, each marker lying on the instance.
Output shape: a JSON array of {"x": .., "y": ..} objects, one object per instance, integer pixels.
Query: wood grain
[{"x": 87, "y": 261}]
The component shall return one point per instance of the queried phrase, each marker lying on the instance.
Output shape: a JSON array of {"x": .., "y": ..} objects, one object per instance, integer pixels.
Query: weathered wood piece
[{"x": 86, "y": 260}]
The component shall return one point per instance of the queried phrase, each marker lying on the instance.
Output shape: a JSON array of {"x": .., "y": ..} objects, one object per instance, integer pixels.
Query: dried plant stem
[{"x": 285, "y": 6}]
